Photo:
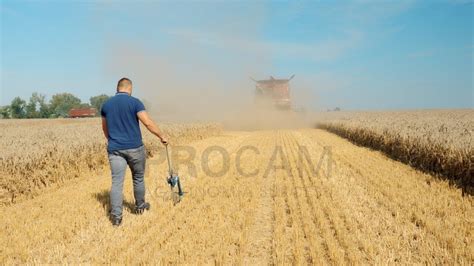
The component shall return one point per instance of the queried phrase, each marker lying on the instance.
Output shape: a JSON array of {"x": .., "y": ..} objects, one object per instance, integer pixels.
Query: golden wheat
[
  {"x": 39, "y": 153},
  {"x": 437, "y": 141}
]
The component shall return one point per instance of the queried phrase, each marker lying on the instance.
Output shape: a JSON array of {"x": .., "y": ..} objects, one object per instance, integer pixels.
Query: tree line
[{"x": 58, "y": 106}]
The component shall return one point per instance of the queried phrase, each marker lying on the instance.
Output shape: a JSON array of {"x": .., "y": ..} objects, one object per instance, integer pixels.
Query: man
[{"x": 120, "y": 116}]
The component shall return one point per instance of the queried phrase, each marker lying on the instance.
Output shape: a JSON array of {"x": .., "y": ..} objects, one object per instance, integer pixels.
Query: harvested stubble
[
  {"x": 368, "y": 210},
  {"x": 36, "y": 154},
  {"x": 436, "y": 141}
]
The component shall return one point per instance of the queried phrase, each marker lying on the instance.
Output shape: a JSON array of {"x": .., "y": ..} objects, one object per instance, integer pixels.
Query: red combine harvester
[
  {"x": 274, "y": 93},
  {"x": 82, "y": 112}
]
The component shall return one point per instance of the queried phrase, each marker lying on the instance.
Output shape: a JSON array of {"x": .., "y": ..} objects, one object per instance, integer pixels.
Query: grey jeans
[{"x": 135, "y": 159}]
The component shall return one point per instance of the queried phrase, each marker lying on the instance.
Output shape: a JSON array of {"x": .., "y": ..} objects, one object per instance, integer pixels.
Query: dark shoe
[
  {"x": 141, "y": 209},
  {"x": 116, "y": 221}
]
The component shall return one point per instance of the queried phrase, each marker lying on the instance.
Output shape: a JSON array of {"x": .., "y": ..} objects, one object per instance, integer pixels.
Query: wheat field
[
  {"x": 38, "y": 154},
  {"x": 269, "y": 207},
  {"x": 437, "y": 141}
]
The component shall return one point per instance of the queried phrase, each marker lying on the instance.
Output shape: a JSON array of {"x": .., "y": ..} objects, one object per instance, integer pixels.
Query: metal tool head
[{"x": 173, "y": 180}]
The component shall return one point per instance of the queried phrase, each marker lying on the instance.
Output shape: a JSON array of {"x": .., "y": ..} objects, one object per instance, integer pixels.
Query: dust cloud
[
  {"x": 174, "y": 90},
  {"x": 202, "y": 74}
]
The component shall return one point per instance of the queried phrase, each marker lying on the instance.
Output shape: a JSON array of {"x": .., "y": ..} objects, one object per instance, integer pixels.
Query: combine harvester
[
  {"x": 274, "y": 107},
  {"x": 273, "y": 93}
]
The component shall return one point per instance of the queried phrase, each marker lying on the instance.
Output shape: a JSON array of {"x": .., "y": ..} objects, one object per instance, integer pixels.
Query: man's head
[{"x": 124, "y": 85}]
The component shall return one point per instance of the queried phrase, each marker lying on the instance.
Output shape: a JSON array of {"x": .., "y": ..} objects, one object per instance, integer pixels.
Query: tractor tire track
[{"x": 259, "y": 237}]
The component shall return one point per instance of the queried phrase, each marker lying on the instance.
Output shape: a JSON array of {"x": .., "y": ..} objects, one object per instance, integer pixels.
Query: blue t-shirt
[{"x": 120, "y": 112}]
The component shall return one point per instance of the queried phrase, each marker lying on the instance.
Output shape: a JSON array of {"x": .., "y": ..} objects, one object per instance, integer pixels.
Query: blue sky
[{"x": 352, "y": 54}]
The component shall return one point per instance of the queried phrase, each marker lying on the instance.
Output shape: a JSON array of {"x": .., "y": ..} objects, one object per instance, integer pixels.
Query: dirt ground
[{"x": 269, "y": 207}]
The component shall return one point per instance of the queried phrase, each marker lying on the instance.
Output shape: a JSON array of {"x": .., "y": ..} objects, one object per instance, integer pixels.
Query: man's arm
[
  {"x": 104, "y": 128},
  {"x": 151, "y": 126}
]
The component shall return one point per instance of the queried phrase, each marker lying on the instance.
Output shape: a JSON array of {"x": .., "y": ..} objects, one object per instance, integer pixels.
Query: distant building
[{"x": 82, "y": 112}]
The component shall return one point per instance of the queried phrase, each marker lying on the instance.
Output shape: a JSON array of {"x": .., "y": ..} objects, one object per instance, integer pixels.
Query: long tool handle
[{"x": 168, "y": 157}]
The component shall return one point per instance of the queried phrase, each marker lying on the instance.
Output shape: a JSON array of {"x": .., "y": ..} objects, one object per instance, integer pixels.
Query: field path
[{"x": 289, "y": 196}]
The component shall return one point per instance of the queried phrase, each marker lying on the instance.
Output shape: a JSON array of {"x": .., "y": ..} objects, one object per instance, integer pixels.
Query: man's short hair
[{"x": 123, "y": 82}]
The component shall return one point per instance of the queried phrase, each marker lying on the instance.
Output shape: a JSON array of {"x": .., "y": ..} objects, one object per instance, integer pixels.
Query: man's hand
[{"x": 164, "y": 140}]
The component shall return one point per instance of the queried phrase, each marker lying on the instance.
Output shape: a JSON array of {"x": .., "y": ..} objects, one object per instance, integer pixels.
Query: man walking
[{"x": 120, "y": 116}]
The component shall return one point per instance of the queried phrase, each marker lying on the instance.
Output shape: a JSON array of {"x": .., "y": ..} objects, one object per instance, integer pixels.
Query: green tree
[
  {"x": 98, "y": 101},
  {"x": 45, "y": 110},
  {"x": 31, "y": 110},
  {"x": 18, "y": 108},
  {"x": 37, "y": 107},
  {"x": 61, "y": 103},
  {"x": 5, "y": 112}
]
